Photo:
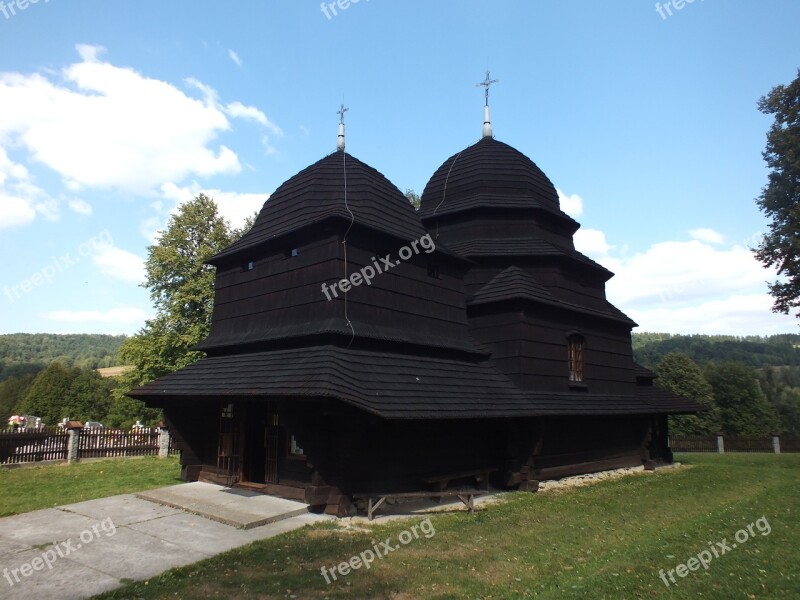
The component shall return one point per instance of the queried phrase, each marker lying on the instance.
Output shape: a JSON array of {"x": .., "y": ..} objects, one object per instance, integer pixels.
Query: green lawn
[
  {"x": 604, "y": 541},
  {"x": 31, "y": 488}
]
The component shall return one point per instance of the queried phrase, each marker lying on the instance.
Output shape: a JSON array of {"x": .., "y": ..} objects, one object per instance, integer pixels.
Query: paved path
[{"x": 79, "y": 550}]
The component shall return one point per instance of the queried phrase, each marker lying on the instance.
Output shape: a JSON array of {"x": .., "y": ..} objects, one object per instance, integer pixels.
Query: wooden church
[{"x": 482, "y": 348}]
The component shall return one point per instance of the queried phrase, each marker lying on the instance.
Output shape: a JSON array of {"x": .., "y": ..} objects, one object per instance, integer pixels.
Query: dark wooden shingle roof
[
  {"x": 515, "y": 284},
  {"x": 391, "y": 385},
  {"x": 317, "y": 193},
  {"x": 493, "y": 247},
  {"x": 489, "y": 174}
]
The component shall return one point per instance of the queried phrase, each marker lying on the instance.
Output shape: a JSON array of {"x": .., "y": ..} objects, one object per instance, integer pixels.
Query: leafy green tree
[
  {"x": 413, "y": 198},
  {"x": 47, "y": 395},
  {"x": 780, "y": 199},
  {"x": 680, "y": 374},
  {"x": 11, "y": 392},
  {"x": 787, "y": 405},
  {"x": 182, "y": 290},
  {"x": 125, "y": 411},
  {"x": 782, "y": 388},
  {"x": 744, "y": 407},
  {"x": 89, "y": 397}
]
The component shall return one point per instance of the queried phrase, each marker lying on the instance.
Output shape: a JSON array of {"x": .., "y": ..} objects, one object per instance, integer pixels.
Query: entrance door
[
  {"x": 263, "y": 440},
  {"x": 228, "y": 446}
]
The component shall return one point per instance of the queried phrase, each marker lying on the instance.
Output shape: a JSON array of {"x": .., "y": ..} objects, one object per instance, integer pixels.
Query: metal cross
[
  {"x": 341, "y": 112},
  {"x": 487, "y": 84}
]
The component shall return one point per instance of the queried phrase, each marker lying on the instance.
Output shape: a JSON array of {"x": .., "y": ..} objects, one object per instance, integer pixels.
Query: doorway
[{"x": 262, "y": 444}]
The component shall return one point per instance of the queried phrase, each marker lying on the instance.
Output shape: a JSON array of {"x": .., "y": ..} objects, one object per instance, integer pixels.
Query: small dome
[{"x": 488, "y": 174}]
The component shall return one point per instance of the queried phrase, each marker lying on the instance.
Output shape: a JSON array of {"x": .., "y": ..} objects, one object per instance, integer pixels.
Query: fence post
[
  {"x": 776, "y": 443},
  {"x": 74, "y": 431},
  {"x": 720, "y": 443},
  {"x": 163, "y": 441}
]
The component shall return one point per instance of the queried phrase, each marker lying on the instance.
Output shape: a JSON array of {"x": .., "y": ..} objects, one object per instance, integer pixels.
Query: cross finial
[
  {"x": 340, "y": 141},
  {"x": 487, "y": 121},
  {"x": 341, "y": 112},
  {"x": 487, "y": 83}
]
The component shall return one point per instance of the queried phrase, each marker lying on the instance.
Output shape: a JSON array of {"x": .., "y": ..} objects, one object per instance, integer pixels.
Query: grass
[
  {"x": 31, "y": 488},
  {"x": 604, "y": 541}
]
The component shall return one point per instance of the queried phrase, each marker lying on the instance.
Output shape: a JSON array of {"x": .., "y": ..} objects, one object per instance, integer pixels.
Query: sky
[{"x": 644, "y": 115}]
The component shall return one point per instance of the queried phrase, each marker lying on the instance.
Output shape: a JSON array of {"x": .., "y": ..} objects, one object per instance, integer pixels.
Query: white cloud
[
  {"x": 233, "y": 206},
  {"x": 80, "y": 206},
  {"x": 19, "y": 198},
  {"x": 707, "y": 235},
  {"x": 572, "y": 205},
  {"x": 118, "y": 264},
  {"x": 121, "y": 316},
  {"x": 305, "y": 130},
  {"x": 740, "y": 314},
  {"x": 237, "y": 110},
  {"x": 234, "y": 57},
  {"x": 689, "y": 286},
  {"x": 592, "y": 242},
  {"x": 681, "y": 271},
  {"x": 9, "y": 169},
  {"x": 107, "y": 126},
  {"x": 88, "y": 52},
  {"x": 15, "y": 212}
]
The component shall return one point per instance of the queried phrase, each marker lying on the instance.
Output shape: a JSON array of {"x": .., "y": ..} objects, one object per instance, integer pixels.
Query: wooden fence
[
  {"x": 47, "y": 443},
  {"x": 53, "y": 443},
  {"x": 719, "y": 443},
  {"x": 99, "y": 443},
  {"x": 693, "y": 443}
]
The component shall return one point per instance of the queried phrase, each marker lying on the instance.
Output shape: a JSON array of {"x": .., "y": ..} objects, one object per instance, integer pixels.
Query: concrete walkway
[{"x": 79, "y": 550}]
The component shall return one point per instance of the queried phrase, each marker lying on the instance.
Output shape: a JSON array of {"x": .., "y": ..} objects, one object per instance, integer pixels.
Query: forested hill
[
  {"x": 754, "y": 351},
  {"x": 23, "y": 353}
]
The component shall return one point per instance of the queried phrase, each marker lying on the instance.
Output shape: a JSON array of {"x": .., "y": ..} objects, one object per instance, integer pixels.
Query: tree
[
  {"x": 780, "y": 199},
  {"x": 89, "y": 397},
  {"x": 744, "y": 408},
  {"x": 782, "y": 388},
  {"x": 413, "y": 198},
  {"x": 182, "y": 290},
  {"x": 11, "y": 392},
  {"x": 46, "y": 397},
  {"x": 680, "y": 374}
]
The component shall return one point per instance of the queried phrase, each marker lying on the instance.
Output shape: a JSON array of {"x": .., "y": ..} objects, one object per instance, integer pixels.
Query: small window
[
  {"x": 291, "y": 252},
  {"x": 294, "y": 449},
  {"x": 576, "y": 347},
  {"x": 250, "y": 265},
  {"x": 433, "y": 271}
]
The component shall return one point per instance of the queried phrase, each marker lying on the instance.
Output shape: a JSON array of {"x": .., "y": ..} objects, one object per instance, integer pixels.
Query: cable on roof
[
  {"x": 344, "y": 244},
  {"x": 444, "y": 191}
]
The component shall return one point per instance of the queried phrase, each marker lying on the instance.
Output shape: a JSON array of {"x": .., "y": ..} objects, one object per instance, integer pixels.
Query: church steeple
[{"x": 487, "y": 121}]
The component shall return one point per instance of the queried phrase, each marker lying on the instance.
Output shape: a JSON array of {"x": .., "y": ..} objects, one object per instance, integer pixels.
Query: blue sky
[{"x": 112, "y": 114}]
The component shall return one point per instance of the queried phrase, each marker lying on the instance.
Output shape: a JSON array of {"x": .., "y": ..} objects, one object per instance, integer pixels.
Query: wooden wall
[{"x": 282, "y": 295}]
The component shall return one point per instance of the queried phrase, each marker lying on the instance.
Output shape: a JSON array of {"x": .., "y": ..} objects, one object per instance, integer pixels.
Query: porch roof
[{"x": 392, "y": 386}]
